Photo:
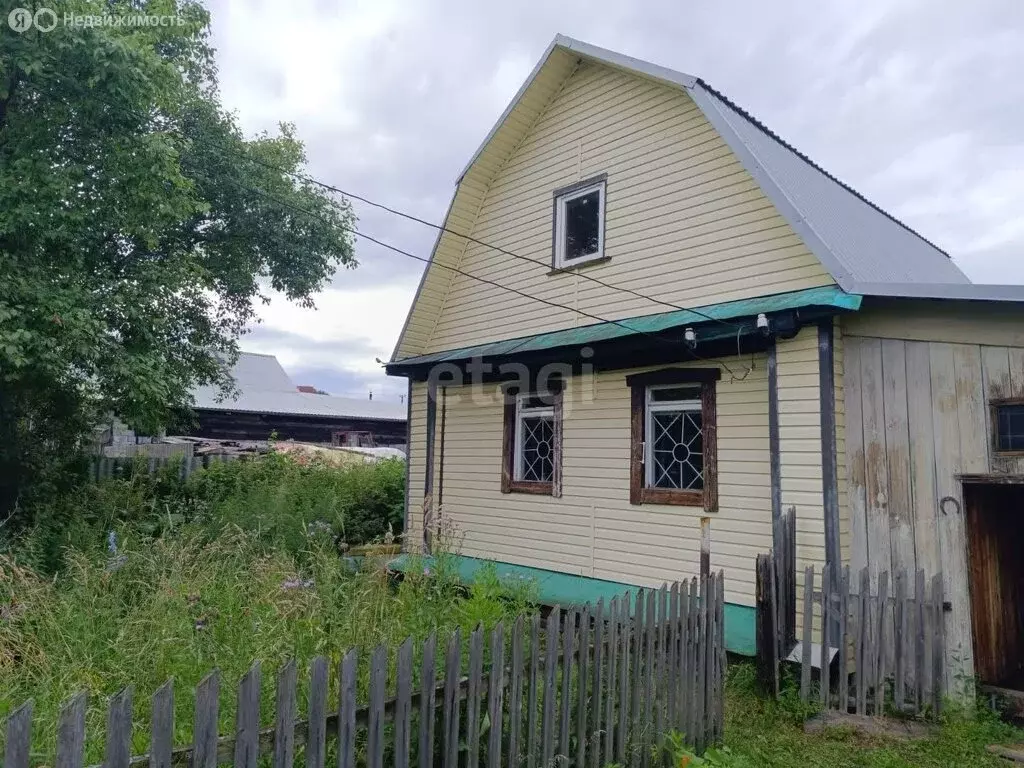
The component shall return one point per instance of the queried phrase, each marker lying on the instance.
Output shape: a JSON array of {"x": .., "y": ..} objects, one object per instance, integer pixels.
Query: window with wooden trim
[
  {"x": 532, "y": 444},
  {"x": 674, "y": 437},
  {"x": 1008, "y": 426}
]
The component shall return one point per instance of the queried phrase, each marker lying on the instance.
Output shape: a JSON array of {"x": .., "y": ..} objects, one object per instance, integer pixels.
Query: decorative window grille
[
  {"x": 674, "y": 438},
  {"x": 535, "y": 440}
]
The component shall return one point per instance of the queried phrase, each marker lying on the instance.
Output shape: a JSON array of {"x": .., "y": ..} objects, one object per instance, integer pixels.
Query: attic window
[{"x": 579, "y": 223}]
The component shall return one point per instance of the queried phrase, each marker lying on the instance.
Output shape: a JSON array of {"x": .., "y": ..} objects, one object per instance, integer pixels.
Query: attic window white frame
[{"x": 566, "y": 195}]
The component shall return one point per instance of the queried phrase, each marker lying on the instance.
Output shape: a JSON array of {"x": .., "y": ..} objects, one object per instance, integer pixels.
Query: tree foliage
[{"x": 139, "y": 228}]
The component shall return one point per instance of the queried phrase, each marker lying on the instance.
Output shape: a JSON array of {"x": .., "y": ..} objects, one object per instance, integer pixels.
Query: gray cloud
[{"x": 917, "y": 104}]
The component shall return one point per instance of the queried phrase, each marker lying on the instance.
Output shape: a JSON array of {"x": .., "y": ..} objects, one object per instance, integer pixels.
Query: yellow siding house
[{"x": 649, "y": 321}]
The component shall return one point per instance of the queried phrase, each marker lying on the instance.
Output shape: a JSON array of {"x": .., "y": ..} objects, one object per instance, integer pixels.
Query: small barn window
[
  {"x": 674, "y": 437},
  {"x": 1009, "y": 427},
  {"x": 579, "y": 224},
  {"x": 532, "y": 445}
]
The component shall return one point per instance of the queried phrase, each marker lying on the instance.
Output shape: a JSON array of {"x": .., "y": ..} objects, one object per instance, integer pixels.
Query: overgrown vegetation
[
  {"x": 183, "y": 604},
  {"x": 760, "y": 732},
  {"x": 139, "y": 232},
  {"x": 277, "y": 498}
]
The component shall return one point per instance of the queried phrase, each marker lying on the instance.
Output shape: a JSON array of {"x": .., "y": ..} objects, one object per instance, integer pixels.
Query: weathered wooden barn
[
  {"x": 269, "y": 403},
  {"x": 649, "y": 317}
]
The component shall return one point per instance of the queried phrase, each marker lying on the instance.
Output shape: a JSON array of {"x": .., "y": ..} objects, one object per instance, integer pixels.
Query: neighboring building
[
  {"x": 269, "y": 402},
  {"x": 841, "y": 363}
]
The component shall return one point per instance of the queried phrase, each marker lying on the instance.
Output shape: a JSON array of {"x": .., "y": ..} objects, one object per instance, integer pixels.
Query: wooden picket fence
[
  {"x": 876, "y": 649},
  {"x": 588, "y": 686}
]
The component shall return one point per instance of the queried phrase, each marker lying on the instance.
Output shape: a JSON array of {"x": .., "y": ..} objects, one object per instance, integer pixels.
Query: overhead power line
[
  {"x": 440, "y": 227},
  {"x": 429, "y": 261},
  {"x": 555, "y": 304}
]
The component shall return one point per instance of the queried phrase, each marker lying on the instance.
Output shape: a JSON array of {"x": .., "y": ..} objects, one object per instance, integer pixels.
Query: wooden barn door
[{"x": 995, "y": 531}]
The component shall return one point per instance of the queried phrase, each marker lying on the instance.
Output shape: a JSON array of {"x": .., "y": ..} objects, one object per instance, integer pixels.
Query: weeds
[
  {"x": 278, "y": 498},
  {"x": 186, "y": 603},
  {"x": 769, "y": 733}
]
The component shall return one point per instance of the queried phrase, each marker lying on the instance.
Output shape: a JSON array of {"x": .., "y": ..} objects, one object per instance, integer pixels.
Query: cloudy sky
[{"x": 918, "y": 104}]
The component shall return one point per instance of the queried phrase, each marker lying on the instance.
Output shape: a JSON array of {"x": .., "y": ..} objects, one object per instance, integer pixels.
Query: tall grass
[
  {"x": 183, "y": 604},
  {"x": 277, "y": 497}
]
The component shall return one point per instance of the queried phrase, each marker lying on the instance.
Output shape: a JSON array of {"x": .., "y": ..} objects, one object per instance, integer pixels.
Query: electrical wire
[
  {"x": 356, "y": 232},
  {"x": 439, "y": 227},
  {"x": 431, "y": 261}
]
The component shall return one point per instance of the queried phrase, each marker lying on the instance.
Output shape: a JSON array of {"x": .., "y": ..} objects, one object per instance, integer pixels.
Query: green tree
[{"x": 139, "y": 228}]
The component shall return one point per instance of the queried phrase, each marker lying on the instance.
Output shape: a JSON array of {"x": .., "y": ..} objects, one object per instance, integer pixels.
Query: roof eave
[{"x": 947, "y": 291}]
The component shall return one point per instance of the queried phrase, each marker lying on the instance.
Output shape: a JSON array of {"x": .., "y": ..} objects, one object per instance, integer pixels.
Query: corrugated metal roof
[
  {"x": 257, "y": 371},
  {"x": 299, "y": 403},
  {"x": 265, "y": 387},
  {"x": 828, "y": 297},
  {"x": 952, "y": 291},
  {"x": 865, "y": 249},
  {"x": 856, "y": 240}
]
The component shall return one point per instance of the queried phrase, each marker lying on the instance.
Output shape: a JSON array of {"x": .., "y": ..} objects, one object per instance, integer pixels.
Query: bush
[
  {"x": 185, "y": 603},
  {"x": 281, "y": 497},
  {"x": 278, "y": 498}
]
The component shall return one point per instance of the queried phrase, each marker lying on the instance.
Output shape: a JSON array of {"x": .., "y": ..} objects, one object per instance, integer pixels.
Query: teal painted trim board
[
  {"x": 830, "y": 298},
  {"x": 557, "y": 588}
]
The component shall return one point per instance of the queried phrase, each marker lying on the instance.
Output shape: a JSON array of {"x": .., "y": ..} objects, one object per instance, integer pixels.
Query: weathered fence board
[
  {"x": 316, "y": 741},
  {"x": 247, "y": 719},
  {"x": 877, "y": 650},
  {"x": 18, "y": 737},
  {"x": 602, "y": 684},
  {"x": 161, "y": 739}
]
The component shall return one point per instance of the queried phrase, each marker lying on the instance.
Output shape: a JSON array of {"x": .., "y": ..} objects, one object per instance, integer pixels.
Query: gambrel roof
[{"x": 866, "y": 250}]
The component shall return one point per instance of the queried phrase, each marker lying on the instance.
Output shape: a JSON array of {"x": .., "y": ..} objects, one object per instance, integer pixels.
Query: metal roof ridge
[{"x": 832, "y": 177}]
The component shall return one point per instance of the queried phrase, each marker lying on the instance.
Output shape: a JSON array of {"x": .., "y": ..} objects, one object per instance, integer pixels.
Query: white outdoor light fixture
[{"x": 690, "y": 338}]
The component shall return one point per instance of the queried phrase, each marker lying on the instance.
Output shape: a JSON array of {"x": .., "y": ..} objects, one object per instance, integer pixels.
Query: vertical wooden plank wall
[{"x": 917, "y": 416}]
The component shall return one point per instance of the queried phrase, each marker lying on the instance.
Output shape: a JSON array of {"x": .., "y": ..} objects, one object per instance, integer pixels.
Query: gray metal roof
[
  {"x": 954, "y": 291},
  {"x": 264, "y": 387},
  {"x": 856, "y": 240},
  {"x": 865, "y": 249},
  {"x": 257, "y": 371}
]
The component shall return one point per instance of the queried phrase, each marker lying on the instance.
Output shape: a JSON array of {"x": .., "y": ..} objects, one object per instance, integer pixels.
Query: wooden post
[
  {"x": 440, "y": 458},
  {"x": 705, "y": 547},
  {"x": 829, "y": 463},
  {"x": 247, "y": 719},
  {"x": 316, "y": 739},
  {"x": 403, "y": 705},
  {"x": 71, "y": 732},
  {"x": 204, "y": 732},
  {"x": 495, "y": 692},
  {"x": 805, "y": 662},
  {"x": 428, "y": 700},
  {"x": 428, "y": 469},
  {"x": 767, "y": 662},
  {"x": 347, "y": 710},
  {"x": 119, "y": 730}
]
